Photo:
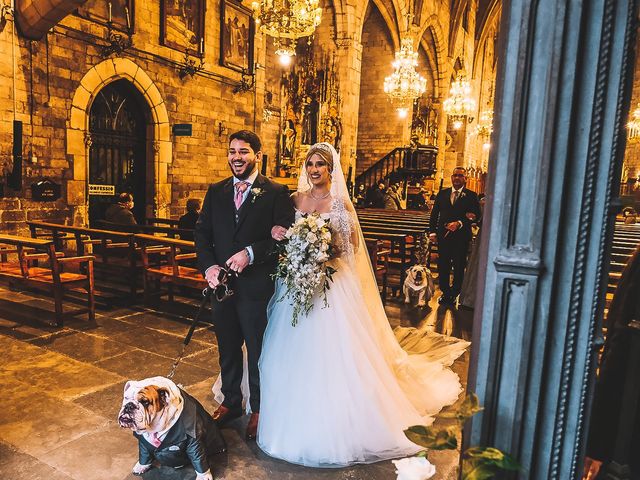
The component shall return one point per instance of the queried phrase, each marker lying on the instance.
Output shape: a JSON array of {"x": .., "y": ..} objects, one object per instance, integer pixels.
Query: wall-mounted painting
[
  {"x": 236, "y": 36},
  {"x": 182, "y": 25},
  {"x": 119, "y": 12}
]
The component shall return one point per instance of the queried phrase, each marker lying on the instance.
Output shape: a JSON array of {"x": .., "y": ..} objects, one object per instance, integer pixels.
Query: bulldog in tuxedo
[
  {"x": 418, "y": 284},
  {"x": 171, "y": 426}
]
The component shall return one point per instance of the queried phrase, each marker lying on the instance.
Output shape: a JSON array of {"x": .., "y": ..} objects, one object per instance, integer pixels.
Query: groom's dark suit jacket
[{"x": 218, "y": 235}]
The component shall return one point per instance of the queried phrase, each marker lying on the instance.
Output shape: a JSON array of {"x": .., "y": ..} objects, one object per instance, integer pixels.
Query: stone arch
[
  {"x": 389, "y": 20},
  {"x": 78, "y": 141},
  {"x": 432, "y": 41}
]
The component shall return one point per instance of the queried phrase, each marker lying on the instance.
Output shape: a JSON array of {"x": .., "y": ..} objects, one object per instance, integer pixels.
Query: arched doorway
[{"x": 118, "y": 153}]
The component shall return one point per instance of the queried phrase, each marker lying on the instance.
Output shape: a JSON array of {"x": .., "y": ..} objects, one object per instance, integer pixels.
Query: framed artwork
[
  {"x": 118, "y": 12},
  {"x": 182, "y": 25},
  {"x": 237, "y": 30}
]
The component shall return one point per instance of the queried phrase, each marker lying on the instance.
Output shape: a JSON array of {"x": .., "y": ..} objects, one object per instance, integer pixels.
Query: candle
[
  {"x": 109, "y": 5},
  {"x": 126, "y": 12},
  {"x": 201, "y": 44}
]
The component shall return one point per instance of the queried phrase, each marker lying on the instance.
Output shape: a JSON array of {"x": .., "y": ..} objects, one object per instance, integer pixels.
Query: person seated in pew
[
  {"x": 189, "y": 219},
  {"x": 120, "y": 212}
]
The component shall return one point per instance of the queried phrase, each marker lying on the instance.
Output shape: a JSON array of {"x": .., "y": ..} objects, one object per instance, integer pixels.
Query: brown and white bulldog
[
  {"x": 171, "y": 426},
  {"x": 418, "y": 283}
]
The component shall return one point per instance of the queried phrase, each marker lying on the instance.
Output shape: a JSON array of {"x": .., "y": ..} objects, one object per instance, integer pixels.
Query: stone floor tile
[
  {"x": 17, "y": 465},
  {"x": 108, "y": 454},
  {"x": 139, "y": 364},
  {"x": 82, "y": 346}
]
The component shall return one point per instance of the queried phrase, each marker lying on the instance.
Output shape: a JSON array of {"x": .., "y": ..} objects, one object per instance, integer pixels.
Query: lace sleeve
[{"x": 344, "y": 225}]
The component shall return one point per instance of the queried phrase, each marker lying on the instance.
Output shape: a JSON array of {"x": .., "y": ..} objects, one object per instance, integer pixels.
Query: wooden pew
[
  {"x": 114, "y": 252},
  {"x": 169, "y": 222},
  {"x": 146, "y": 229},
  {"x": 53, "y": 278},
  {"x": 171, "y": 271}
]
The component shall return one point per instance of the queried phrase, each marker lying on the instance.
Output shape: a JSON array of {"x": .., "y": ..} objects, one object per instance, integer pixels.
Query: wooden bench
[
  {"x": 157, "y": 230},
  {"x": 170, "y": 270},
  {"x": 169, "y": 222},
  {"x": 114, "y": 252},
  {"x": 26, "y": 270}
]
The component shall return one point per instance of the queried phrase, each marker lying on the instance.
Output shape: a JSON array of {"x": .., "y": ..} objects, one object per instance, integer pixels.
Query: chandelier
[
  {"x": 485, "y": 127},
  {"x": 286, "y": 21},
  {"x": 405, "y": 85},
  {"x": 633, "y": 127},
  {"x": 459, "y": 105}
]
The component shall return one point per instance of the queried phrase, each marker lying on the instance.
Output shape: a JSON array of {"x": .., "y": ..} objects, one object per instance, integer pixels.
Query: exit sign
[{"x": 182, "y": 130}]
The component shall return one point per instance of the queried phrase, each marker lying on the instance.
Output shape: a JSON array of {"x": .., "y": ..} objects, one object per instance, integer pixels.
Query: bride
[{"x": 338, "y": 388}]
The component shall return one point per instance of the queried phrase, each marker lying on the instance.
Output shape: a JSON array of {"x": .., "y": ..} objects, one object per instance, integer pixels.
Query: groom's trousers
[{"x": 240, "y": 320}]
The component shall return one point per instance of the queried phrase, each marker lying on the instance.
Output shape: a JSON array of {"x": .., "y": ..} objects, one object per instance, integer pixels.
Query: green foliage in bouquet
[{"x": 478, "y": 463}]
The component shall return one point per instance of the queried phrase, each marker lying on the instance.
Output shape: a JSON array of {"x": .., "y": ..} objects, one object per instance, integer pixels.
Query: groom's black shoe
[
  {"x": 252, "y": 426},
  {"x": 224, "y": 415}
]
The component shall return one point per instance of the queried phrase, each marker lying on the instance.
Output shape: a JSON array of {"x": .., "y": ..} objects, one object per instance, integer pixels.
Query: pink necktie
[
  {"x": 241, "y": 187},
  {"x": 155, "y": 441}
]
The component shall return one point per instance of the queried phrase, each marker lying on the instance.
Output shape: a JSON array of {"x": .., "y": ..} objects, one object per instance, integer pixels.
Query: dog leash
[{"x": 206, "y": 293}]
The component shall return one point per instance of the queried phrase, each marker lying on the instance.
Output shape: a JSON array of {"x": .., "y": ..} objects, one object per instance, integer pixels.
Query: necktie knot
[
  {"x": 456, "y": 195},
  {"x": 240, "y": 187}
]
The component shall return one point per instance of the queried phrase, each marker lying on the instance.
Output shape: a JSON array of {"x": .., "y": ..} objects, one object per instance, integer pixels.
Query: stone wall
[{"x": 379, "y": 128}]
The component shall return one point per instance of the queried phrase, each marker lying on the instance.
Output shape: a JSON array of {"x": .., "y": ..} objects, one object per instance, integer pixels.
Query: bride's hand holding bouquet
[{"x": 302, "y": 264}]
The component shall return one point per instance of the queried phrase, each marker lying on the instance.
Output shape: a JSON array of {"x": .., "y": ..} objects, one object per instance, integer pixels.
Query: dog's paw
[
  {"x": 204, "y": 476},
  {"x": 140, "y": 469}
]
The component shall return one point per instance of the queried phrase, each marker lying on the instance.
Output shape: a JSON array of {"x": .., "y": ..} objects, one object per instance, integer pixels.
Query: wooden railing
[{"x": 400, "y": 160}]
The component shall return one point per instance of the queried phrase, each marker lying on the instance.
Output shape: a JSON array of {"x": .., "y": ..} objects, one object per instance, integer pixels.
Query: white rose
[
  {"x": 320, "y": 222},
  {"x": 414, "y": 468},
  {"x": 311, "y": 237}
]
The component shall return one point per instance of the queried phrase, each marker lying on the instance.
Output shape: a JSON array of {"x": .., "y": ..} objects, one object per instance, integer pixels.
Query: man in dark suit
[
  {"x": 454, "y": 209},
  {"x": 234, "y": 230}
]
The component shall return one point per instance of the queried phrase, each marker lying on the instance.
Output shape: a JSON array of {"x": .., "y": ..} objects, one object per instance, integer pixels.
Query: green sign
[{"x": 182, "y": 130}]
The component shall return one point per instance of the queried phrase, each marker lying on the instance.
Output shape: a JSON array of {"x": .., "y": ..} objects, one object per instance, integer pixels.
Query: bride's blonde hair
[{"x": 323, "y": 152}]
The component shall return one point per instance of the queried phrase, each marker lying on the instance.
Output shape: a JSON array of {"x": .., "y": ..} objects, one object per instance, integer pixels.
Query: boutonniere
[
  {"x": 256, "y": 192},
  {"x": 462, "y": 194}
]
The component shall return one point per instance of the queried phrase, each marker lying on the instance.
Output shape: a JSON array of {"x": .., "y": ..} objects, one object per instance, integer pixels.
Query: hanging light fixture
[
  {"x": 405, "y": 85},
  {"x": 286, "y": 21},
  {"x": 633, "y": 127},
  {"x": 485, "y": 127},
  {"x": 459, "y": 106}
]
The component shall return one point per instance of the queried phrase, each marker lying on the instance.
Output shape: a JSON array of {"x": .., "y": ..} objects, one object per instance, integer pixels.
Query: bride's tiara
[{"x": 323, "y": 146}]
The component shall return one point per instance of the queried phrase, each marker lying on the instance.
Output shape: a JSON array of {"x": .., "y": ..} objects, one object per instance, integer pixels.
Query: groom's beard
[{"x": 244, "y": 172}]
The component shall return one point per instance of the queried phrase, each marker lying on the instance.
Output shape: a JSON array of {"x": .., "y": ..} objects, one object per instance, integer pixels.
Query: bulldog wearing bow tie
[{"x": 170, "y": 425}]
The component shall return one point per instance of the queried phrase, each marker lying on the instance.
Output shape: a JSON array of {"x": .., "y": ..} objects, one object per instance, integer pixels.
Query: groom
[{"x": 234, "y": 230}]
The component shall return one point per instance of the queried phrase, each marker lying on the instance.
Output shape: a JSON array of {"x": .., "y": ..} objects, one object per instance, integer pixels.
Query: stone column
[
  {"x": 562, "y": 99},
  {"x": 349, "y": 60}
]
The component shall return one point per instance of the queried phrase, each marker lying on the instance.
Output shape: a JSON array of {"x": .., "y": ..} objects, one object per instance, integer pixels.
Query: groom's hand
[
  {"x": 212, "y": 274},
  {"x": 239, "y": 261}
]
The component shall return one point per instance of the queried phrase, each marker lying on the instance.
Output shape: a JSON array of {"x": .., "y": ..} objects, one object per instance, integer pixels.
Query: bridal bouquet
[{"x": 302, "y": 265}]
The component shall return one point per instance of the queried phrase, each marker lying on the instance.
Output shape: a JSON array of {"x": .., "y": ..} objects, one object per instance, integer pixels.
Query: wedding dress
[{"x": 338, "y": 388}]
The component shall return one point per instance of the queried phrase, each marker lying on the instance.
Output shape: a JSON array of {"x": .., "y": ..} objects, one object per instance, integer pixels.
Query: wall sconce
[
  {"x": 190, "y": 67},
  {"x": 117, "y": 43},
  {"x": 222, "y": 129},
  {"x": 247, "y": 82}
]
